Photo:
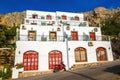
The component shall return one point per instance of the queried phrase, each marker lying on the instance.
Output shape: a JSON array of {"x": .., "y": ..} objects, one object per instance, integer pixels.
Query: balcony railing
[{"x": 60, "y": 38}]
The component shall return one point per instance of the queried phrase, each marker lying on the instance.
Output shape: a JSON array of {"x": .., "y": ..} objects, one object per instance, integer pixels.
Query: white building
[{"x": 47, "y": 38}]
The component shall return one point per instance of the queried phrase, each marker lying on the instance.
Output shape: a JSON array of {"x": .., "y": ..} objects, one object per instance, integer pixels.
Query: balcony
[{"x": 46, "y": 38}]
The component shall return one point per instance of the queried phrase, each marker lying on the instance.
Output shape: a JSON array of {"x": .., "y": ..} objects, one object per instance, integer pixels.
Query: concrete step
[{"x": 88, "y": 65}]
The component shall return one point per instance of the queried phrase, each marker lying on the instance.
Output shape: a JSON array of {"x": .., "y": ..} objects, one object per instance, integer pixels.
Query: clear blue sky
[{"x": 7, "y": 6}]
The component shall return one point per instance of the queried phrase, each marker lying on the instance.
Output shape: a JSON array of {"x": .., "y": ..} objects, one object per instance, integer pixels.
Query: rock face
[
  {"x": 7, "y": 56},
  {"x": 12, "y": 19},
  {"x": 98, "y": 15}
]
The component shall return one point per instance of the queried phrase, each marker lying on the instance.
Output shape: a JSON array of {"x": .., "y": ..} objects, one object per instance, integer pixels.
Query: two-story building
[{"x": 48, "y": 38}]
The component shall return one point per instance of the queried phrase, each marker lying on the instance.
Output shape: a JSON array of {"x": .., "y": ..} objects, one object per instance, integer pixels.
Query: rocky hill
[
  {"x": 98, "y": 15},
  {"x": 12, "y": 19}
]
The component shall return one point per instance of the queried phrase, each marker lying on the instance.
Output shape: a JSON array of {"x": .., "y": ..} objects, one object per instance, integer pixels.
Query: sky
[{"x": 8, "y": 6}]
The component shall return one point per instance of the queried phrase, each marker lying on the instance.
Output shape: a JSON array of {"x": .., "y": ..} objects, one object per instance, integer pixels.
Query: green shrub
[{"x": 0, "y": 73}]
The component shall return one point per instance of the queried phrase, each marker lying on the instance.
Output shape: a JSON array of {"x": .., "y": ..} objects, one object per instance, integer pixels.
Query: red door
[
  {"x": 92, "y": 36},
  {"x": 55, "y": 57},
  {"x": 74, "y": 36},
  {"x": 30, "y": 60}
]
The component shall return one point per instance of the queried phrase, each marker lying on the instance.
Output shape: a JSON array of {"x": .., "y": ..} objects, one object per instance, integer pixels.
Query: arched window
[
  {"x": 64, "y": 17},
  {"x": 30, "y": 60},
  {"x": 48, "y": 17},
  {"x": 101, "y": 54},
  {"x": 76, "y": 18},
  {"x": 80, "y": 54},
  {"x": 54, "y": 57}
]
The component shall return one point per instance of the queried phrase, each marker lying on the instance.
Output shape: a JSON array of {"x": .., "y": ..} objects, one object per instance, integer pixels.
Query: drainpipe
[
  {"x": 66, "y": 40},
  {"x": 65, "y": 37}
]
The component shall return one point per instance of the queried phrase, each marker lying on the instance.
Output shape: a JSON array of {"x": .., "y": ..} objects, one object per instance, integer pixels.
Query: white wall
[{"x": 43, "y": 48}]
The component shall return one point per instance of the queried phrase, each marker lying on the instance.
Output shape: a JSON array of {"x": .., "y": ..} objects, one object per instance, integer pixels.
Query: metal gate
[
  {"x": 30, "y": 60},
  {"x": 55, "y": 57}
]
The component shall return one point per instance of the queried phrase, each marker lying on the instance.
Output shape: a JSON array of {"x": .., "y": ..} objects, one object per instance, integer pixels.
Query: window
[
  {"x": 42, "y": 17},
  {"x": 31, "y": 36},
  {"x": 64, "y": 17},
  {"x": 48, "y": 17},
  {"x": 80, "y": 54},
  {"x": 92, "y": 36},
  {"x": 58, "y": 17},
  {"x": 76, "y": 18},
  {"x": 71, "y": 18},
  {"x": 53, "y": 36},
  {"x": 101, "y": 54},
  {"x": 43, "y": 23},
  {"x": 74, "y": 35},
  {"x": 34, "y": 16}
]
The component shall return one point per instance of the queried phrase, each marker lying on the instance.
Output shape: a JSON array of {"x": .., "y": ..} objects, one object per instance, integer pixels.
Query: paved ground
[{"x": 107, "y": 71}]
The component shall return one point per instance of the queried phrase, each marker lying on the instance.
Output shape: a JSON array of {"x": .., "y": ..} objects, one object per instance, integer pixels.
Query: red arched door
[
  {"x": 30, "y": 60},
  {"x": 80, "y": 54},
  {"x": 101, "y": 54},
  {"x": 55, "y": 57}
]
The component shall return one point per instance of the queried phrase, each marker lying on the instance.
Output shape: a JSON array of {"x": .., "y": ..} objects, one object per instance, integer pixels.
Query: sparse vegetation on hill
[{"x": 6, "y": 35}]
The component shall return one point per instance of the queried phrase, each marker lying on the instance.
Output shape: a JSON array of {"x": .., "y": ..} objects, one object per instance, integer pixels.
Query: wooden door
[
  {"x": 101, "y": 54},
  {"x": 74, "y": 36},
  {"x": 55, "y": 57},
  {"x": 31, "y": 35},
  {"x": 92, "y": 36},
  {"x": 30, "y": 60},
  {"x": 80, "y": 54},
  {"x": 53, "y": 36}
]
